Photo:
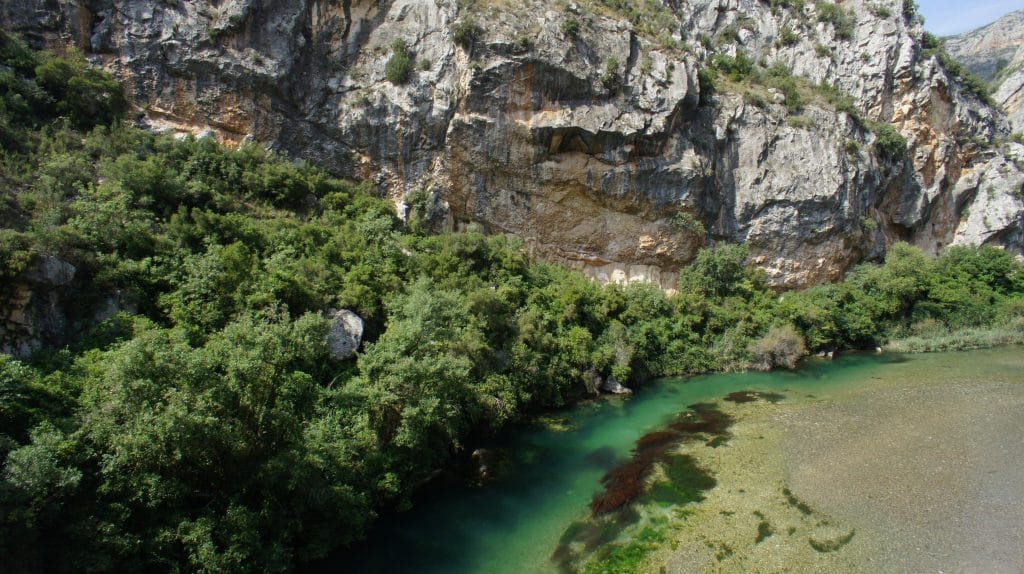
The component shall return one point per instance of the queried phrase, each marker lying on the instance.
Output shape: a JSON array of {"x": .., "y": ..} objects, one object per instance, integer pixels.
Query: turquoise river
[{"x": 550, "y": 473}]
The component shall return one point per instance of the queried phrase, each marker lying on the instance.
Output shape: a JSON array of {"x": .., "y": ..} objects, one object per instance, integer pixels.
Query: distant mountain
[
  {"x": 989, "y": 49},
  {"x": 995, "y": 53}
]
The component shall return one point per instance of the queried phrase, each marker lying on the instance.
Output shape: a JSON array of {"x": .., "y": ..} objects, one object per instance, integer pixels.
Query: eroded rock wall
[
  {"x": 995, "y": 53},
  {"x": 577, "y": 129}
]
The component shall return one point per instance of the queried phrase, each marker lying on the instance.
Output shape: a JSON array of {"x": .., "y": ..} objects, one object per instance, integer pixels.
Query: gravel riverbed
[{"x": 918, "y": 470}]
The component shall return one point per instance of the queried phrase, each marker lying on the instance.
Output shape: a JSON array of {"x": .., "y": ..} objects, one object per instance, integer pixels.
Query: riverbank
[
  {"x": 915, "y": 470},
  {"x": 942, "y": 340}
]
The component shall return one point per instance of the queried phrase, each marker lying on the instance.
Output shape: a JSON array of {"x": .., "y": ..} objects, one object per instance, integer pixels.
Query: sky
[{"x": 946, "y": 17}]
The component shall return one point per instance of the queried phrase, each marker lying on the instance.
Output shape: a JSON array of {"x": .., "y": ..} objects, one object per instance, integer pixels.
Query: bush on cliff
[
  {"x": 889, "y": 142},
  {"x": 399, "y": 66}
]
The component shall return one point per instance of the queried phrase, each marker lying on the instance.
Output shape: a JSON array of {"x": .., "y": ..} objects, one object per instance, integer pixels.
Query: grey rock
[
  {"x": 613, "y": 386},
  {"x": 53, "y": 272},
  {"x": 995, "y": 53},
  {"x": 593, "y": 381},
  {"x": 345, "y": 334},
  {"x": 1010, "y": 95},
  {"x": 994, "y": 217}
]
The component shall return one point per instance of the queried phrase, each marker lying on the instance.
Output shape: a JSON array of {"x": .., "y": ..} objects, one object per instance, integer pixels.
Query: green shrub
[
  {"x": 910, "y": 10},
  {"x": 610, "y": 78},
  {"x": 930, "y": 42},
  {"x": 686, "y": 222},
  {"x": 737, "y": 67},
  {"x": 571, "y": 28},
  {"x": 889, "y": 142},
  {"x": 755, "y": 99},
  {"x": 728, "y": 35},
  {"x": 651, "y": 18},
  {"x": 880, "y": 10},
  {"x": 38, "y": 87},
  {"x": 779, "y": 347},
  {"x": 87, "y": 96},
  {"x": 797, "y": 5},
  {"x": 781, "y": 78},
  {"x": 787, "y": 37},
  {"x": 467, "y": 32},
  {"x": 16, "y": 253},
  {"x": 717, "y": 272},
  {"x": 839, "y": 100},
  {"x": 801, "y": 122},
  {"x": 706, "y": 81},
  {"x": 400, "y": 65},
  {"x": 842, "y": 20}
]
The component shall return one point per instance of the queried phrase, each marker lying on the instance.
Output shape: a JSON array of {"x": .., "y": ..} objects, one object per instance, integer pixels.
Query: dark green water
[{"x": 513, "y": 524}]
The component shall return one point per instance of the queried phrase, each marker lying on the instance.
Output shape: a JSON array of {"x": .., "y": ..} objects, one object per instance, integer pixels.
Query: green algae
[
  {"x": 825, "y": 545},
  {"x": 796, "y": 503},
  {"x": 748, "y": 396}
]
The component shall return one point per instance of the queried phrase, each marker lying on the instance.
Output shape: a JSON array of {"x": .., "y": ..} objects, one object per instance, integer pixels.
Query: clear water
[{"x": 513, "y": 524}]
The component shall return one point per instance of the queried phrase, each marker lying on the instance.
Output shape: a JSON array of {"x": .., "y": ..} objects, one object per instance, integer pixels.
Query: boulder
[
  {"x": 345, "y": 334},
  {"x": 613, "y": 386}
]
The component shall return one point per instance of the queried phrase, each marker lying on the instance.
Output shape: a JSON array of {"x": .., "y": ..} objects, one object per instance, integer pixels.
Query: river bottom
[{"x": 915, "y": 469}]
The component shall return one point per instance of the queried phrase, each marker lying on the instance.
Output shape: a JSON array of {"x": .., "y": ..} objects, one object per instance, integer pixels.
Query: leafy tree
[{"x": 84, "y": 95}]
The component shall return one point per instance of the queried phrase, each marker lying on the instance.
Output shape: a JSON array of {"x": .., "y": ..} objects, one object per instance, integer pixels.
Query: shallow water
[{"x": 513, "y": 524}]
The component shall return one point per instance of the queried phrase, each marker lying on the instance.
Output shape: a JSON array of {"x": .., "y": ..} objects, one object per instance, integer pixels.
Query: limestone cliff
[
  {"x": 988, "y": 50},
  {"x": 996, "y": 54},
  {"x": 582, "y": 127}
]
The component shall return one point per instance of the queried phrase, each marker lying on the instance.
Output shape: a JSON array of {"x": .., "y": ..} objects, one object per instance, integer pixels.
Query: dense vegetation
[{"x": 205, "y": 426}]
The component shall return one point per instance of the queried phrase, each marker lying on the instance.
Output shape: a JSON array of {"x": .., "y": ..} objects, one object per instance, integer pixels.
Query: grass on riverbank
[{"x": 966, "y": 339}]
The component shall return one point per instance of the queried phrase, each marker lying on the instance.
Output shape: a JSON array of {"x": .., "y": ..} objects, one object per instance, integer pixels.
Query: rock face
[
  {"x": 613, "y": 386},
  {"x": 1010, "y": 94},
  {"x": 995, "y": 53},
  {"x": 579, "y": 128},
  {"x": 345, "y": 334},
  {"x": 33, "y": 314}
]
